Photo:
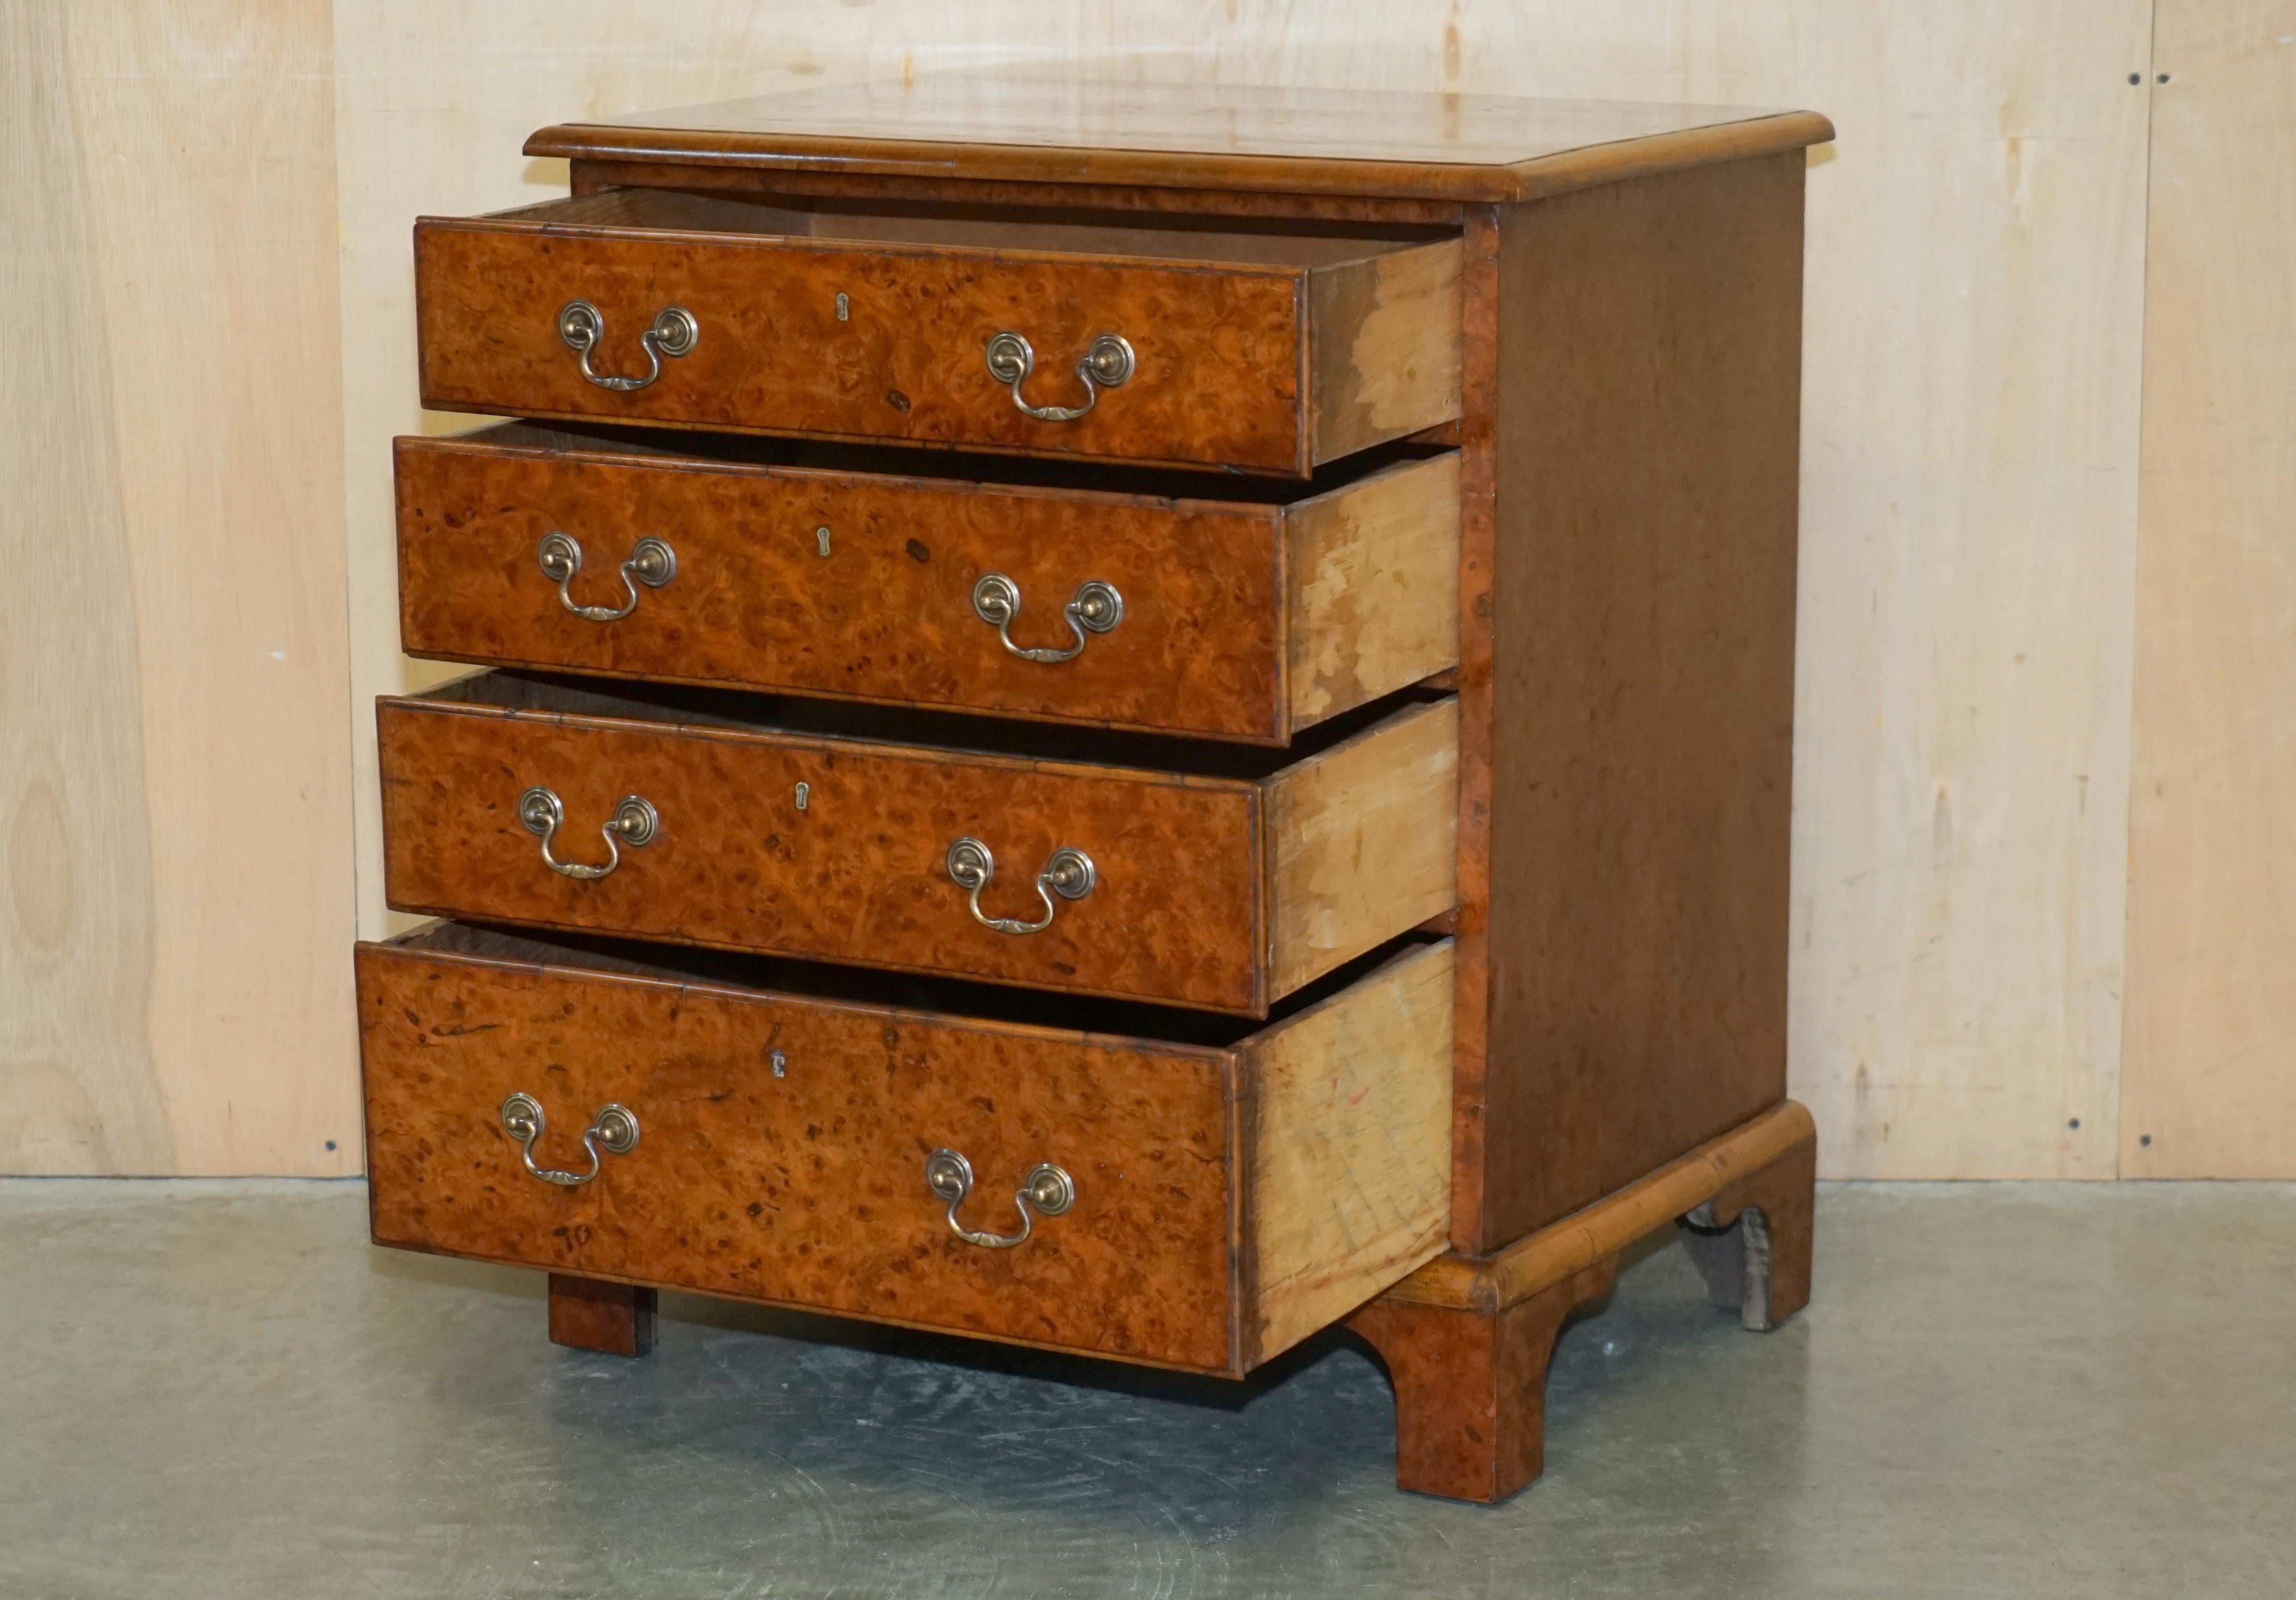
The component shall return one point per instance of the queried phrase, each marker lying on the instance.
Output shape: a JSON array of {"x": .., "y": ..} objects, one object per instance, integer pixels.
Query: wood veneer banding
[
  {"x": 786, "y": 185},
  {"x": 1479, "y": 724}
]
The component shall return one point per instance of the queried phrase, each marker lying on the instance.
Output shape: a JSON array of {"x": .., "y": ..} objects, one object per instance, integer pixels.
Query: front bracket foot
[
  {"x": 1471, "y": 1385},
  {"x": 1467, "y": 1338}
]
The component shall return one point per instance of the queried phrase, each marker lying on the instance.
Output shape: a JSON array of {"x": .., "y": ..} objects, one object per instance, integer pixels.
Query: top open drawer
[{"x": 1267, "y": 352}]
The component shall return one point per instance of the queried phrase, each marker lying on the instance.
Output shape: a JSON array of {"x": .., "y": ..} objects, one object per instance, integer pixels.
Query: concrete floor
[{"x": 220, "y": 1390}]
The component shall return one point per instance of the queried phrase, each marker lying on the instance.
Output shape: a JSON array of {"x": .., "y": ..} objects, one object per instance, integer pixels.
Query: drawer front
[
  {"x": 841, "y": 583},
  {"x": 1271, "y": 367},
  {"x": 1217, "y": 354},
  {"x": 1239, "y": 621},
  {"x": 858, "y": 875},
  {"x": 806, "y": 1187},
  {"x": 1226, "y": 1200}
]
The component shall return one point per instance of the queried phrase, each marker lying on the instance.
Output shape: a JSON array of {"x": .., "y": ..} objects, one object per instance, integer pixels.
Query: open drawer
[
  {"x": 1215, "y": 876},
  {"x": 1175, "y": 602},
  {"x": 1202, "y": 1201},
  {"x": 1268, "y": 352}
]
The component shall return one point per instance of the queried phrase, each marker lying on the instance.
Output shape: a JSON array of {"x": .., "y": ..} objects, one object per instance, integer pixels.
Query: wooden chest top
[{"x": 1038, "y": 126}]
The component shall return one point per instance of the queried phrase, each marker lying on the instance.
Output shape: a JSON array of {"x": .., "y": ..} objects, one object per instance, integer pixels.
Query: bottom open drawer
[{"x": 1230, "y": 1191}]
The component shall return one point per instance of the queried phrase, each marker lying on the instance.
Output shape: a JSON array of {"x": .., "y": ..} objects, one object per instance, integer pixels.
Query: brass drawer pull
[
  {"x": 1046, "y": 1188},
  {"x": 651, "y": 563},
  {"x": 1105, "y": 364},
  {"x": 675, "y": 332},
  {"x": 634, "y": 822},
  {"x": 1069, "y": 874},
  {"x": 614, "y": 1131},
  {"x": 1096, "y": 609}
]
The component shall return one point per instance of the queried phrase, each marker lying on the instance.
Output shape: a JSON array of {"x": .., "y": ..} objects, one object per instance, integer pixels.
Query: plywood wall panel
[
  {"x": 174, "y": 996},
  {"x": 2211, "y": 1077},
  {"x": 1975, "y": 300},
  {"x": 1975, "y": 273},
  {"x": 77, "y": 1085}
]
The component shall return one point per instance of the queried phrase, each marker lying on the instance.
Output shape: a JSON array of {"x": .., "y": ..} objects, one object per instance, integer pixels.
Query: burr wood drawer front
[
  {"x": 1194, "y": 1205},
  {"x": 513, "y": 799},
  {"x": 1236, "y": 618},
  {"x": 1270, "y": 352}
]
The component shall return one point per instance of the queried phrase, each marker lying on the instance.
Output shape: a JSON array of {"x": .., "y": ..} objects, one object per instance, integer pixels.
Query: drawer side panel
[
  {"x": 1386, "y": 333},
  {"x": 1363, "y": 842},
  {"x": 1375, "y": 576},
  {"x": 1348, "y": 1171}
]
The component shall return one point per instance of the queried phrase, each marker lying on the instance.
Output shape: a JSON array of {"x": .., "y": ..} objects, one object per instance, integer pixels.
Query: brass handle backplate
[
  {"x": 1069, "y": 874},
  {"x": 613, "y": 1131},
  {"x": 634, "y": 822},
  {"x": 1105, "y": 364},
  {"x": 1096, "y": 608},
  {"x": 651, "y": 563},
  {"x": 675, "y": 332},
  {"x": 1045, "y": 1192}
]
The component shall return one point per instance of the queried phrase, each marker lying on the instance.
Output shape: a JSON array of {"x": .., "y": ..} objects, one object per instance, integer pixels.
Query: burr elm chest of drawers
[{"x": 1137, "y": 720}]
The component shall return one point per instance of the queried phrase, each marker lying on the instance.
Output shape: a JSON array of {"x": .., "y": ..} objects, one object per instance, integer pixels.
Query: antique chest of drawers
[{"x": 1138, "y": 724}]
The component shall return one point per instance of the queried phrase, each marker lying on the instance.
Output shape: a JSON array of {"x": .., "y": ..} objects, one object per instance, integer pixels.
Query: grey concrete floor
[{"x": 221, "y": 1390}]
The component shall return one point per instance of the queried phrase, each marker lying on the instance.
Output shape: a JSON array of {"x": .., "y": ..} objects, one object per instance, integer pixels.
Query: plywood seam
[{"x": 2121, "y": 1132}]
